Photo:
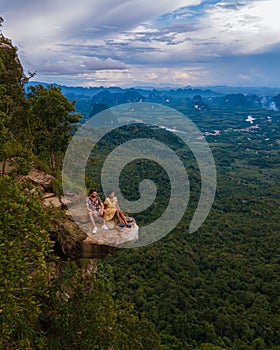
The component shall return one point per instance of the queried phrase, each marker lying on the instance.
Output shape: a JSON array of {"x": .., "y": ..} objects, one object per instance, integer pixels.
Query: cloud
[
  {"x": 188, "y": 41},
  {"x": 244, "y": 29},
  {"x": 41, "y": 28},
  {"x": 37, "y": 20},
  {"x": 145, "y": 76},
  {"x": 66, "y": 67}
]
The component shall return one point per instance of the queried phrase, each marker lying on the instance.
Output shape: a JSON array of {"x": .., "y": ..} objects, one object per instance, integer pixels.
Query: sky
[{"x": 147, "y": 43}]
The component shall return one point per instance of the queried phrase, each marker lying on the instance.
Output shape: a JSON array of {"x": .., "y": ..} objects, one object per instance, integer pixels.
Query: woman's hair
[{"x": 110, "y": 192}]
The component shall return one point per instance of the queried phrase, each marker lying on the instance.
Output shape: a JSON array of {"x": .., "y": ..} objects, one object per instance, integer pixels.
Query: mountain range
[{"x": 92, "y": 100}]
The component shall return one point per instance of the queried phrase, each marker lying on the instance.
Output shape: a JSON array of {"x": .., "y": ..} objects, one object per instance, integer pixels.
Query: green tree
[
  {"x": 13, "y": 108},
  {"x": 24, "y": 247},
  {"x": 81, "y": 314},
  {"x": 52, "y": 119},
  {"x": 208, "y": 346}
]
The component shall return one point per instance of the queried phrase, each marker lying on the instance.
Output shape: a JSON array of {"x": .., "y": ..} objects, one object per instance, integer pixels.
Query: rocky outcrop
[
  {"x": 73, "y": 239},
  {"x": 41, "y": 180},
  {"x": 50, "y": 199},
  {"x": 72, "y": 242},
  {"x": 116, "y": 236}
]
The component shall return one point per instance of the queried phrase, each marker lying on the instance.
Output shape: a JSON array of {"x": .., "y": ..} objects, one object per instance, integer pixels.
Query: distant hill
[
  {"x": 189, "y": 91},
  {"x": 247, "y": 90},
  {"x": 91, "y": 100},
  {"x": 92, "y": 91},
  {"x": 72, "y": 90},
  {"x": 113, "y": 99}
]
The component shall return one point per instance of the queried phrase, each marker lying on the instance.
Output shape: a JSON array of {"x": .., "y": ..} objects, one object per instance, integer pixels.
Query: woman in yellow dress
[{"x": 112, "y": 209}]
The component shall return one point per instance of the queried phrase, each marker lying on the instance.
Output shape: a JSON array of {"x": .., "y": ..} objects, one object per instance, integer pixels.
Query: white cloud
[
  {"x": 122, "y": 42},
  {"x": 39, "y": 28},
  {"x": 248, "y": 29},
  {"x": 86, "y": 65},
  {"x": 142, "y": 75},
  {"x": 60, "y": 19}
]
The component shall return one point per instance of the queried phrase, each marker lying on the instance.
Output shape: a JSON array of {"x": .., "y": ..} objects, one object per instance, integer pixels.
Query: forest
[{"x": 217, "y": 288}]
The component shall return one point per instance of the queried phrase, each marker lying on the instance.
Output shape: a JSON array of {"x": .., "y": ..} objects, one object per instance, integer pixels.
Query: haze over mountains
[
  {"x": 211, "y": 90},
  {"x": 92, "y": 100}
]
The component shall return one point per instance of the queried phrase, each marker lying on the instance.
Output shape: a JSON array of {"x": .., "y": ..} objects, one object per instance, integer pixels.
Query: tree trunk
[
  {"x": 53, "y": 160},
  {"x": 4, "y": 166}
]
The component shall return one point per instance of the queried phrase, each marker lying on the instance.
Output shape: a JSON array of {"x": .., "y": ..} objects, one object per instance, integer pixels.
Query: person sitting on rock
[
  {"x": 95, "y": 208},
  {"x": 113, "y": 209}
]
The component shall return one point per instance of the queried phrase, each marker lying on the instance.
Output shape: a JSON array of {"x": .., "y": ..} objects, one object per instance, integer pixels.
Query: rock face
[
  {"x": 75, "y": 240},
  {"x": 80, "y": 215},
  {"x": 50, "y": 199},
  {"x": 41, "y": 180},
  {"x": 116, "y": 236},
  {"x": 72, "y": 243}
]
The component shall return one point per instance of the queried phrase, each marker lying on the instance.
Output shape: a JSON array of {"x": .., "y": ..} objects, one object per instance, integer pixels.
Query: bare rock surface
[
  {"x": 77, "y": 228},
  {"x": 41, "y": 179},
  {"x": 79, "y": 214},
  {"x": 116, "y": 236},
  {"x": 74, "y": 243},
  {"x": 48, "y": 195},
  {"x": 52, "y": 201}
]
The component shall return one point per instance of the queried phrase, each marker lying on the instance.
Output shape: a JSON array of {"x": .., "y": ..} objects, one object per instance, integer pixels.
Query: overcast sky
[{"x": 147, "y": 42}]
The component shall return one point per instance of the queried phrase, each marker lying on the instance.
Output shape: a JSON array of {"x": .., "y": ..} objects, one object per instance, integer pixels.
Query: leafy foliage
[
  {"x": 12, "y": 102},
  {"x": 81, "y": 314},
  {"x": 24, "y": 247},
  {"x": 42, "y": 123},
  {"x": 217, "y": 288},
  {"x": 51, "y": 119}
]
